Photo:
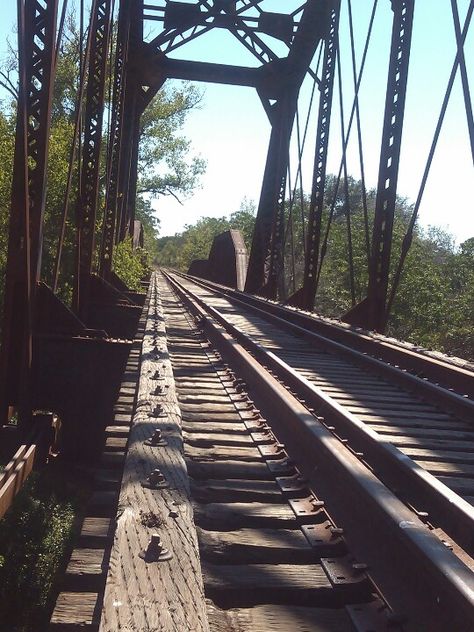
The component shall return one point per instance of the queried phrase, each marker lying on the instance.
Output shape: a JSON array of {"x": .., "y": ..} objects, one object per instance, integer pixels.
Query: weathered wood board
[{"x": 145, "y": 596}]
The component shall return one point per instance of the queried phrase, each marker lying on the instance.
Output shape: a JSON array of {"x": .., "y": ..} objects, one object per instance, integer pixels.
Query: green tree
[{"x": 165, "y": 165}]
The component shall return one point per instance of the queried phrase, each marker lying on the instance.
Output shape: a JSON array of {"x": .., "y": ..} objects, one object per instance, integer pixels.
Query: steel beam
[
  {"x": 89, "y": 178},
  {"x": 305, "y": 296},
  {"x": 389, "y": 165},
  {"x": 266, "y": 255},
  {"x": 117, "y": 132},
  {"x": 36, "y": 39}
]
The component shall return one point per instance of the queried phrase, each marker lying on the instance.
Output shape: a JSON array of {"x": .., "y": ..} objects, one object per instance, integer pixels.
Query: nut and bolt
[
  {"x": 156, "y": 479},
  {"x": 156, "y": 439},
  {"x": 155, "y": 551}
]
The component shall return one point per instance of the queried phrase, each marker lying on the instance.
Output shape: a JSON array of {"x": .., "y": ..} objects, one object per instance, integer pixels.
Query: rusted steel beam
[
  {"x": 116, "y": 139},
  {"x": 89, "y": 179},
  {"x": 266, "y": 255},
  {"x": 127, "y": 154},
  {"x": 36, "y": 46},
  {"x": 306, "y": 295},
  {"x": 389, "y": 164}
]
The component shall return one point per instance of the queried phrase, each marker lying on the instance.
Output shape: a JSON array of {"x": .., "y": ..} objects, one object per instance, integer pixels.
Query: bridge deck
[{"x": 251, "y": 544}]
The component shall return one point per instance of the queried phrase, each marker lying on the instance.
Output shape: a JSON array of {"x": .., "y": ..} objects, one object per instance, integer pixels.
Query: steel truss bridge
[{"x": 377, "y": 463}]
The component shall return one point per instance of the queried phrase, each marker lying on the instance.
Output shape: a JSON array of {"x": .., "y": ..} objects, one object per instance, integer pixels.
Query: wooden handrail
[{"x": 14, "y": 475}]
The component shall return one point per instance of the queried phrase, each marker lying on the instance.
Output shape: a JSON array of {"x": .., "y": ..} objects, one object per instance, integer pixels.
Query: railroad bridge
[{"x": 255, "y": 466}]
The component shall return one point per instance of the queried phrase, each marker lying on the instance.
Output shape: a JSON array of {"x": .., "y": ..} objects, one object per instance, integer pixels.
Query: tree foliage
[
  {"x": 434, "y": 306},
  {"x": 166, "y": 164}
]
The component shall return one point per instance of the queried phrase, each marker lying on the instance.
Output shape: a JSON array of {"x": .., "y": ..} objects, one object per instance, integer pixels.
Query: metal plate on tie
[
  {"x": 295, "y": 484},
  {"x": 272, "y": 451},
  {"x": 308, "y": 507},
  {"x": 262, "y": 437},
  {"x": 321, "y": 536},
  {"x": 283, "y": 467},
  {"x": 373, "y": 616},
  {"x": 343, "y": 571}
]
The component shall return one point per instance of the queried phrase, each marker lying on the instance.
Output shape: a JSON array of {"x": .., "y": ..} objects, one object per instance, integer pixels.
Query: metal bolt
[
  {"x": 336, "y": 531},
  {"x": 155, "y": 551},
  {"x": 156, "y": 439},
  {"x": 156, "y": 480},
  {"x": 359, "y": 567}
]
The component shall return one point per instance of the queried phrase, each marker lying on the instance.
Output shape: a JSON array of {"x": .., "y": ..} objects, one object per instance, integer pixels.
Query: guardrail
[{"x": 14, "y": 475}]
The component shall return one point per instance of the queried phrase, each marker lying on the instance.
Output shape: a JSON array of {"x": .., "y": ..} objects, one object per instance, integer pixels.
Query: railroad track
[
  {"x": 247, "y": 488},
  {"x": 271, "y": 559}
]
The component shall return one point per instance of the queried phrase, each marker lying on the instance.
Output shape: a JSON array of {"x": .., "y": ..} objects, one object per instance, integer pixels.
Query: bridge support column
[
  {"x": 281, "y": 83},
  {"x": 372, "y": 313},
  {"x": 36, "y": 47}
]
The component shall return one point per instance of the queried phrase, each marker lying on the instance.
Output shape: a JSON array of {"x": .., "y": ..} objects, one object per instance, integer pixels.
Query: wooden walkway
[{"x": 108, "y": 584}]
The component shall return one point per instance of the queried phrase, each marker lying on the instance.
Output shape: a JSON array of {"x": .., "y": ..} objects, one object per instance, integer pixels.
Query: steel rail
[
  {"x": 412, "y": 482},
  {"x": 453, "y": 389},
  {"x": 448, "y": 584}
]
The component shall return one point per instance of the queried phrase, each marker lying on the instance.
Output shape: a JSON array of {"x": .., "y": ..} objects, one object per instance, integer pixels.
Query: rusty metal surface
[
  {"x": 438, "y": 370},
  {"x": 227, "y": 261},
  {"x": 407, "y": 531},
  {"x": 376, "y": 317},
  {"x": 86, "y": 210},
  {"x": 36, "y": 39},
  {"x": 253, "y": 542},
  {"x": 410, "y": 478}
]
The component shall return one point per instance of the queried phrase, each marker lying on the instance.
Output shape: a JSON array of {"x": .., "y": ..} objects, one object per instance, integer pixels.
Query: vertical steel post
[
  {"x": 116, "y": 138},
  {"x": 389, "y": 164},
  {"x": 266, "y": 255},
  {"x": 305, "y": 297},
  {"x": 36, "y": 39},
  {"x": 89, "y": 178}
]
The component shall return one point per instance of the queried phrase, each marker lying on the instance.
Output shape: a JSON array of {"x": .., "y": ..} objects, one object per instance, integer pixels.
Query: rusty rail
[
  {"x": 370, "y": 346},
  {"x": 356, "y": 487}
]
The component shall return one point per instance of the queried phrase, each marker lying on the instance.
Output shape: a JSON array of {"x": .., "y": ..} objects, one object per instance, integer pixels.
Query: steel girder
[
  {"x": 266, "y": 255},
  {"x": 125, "y": 132},
  {"x": 116, "y": 136},
  {"x": 86, "y": 211},
  {"x": 389, "y": 165},
  {"x": 36, "y": 39},
  {"x": 305, "y": 296}
]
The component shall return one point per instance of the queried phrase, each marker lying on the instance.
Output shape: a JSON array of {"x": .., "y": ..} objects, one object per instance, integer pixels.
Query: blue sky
[{"x": 231, "y": 130}]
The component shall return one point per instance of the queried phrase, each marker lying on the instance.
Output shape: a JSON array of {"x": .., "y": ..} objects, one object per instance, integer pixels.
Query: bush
[
  {"x": 131, "y": 265},
  {"x": 35, "y": 540}
]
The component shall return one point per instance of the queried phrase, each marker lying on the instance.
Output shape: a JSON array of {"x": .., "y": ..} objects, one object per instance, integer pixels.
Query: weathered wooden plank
[
  {"x": 86, "y": 569},
  {"x": 451, "y": 469},
  {"x": 422, "y": 433},
  {"x": 165, "y": 596},
  {"x": 96, "y": 531},
  {"x": 255, "y": 546},
  {"x": 75, "y": 611},
  {"x": 275, "y": 618},
  {"x": 14, "y": 475},
  {"x": 446, "y": 456},
  {"x": 462, "y": 486},
  {"x": 276, "y": 582},
  {"x": 233, "y": 453},
  {"x": 230, "y": 490},
  {"x": 209, "y": 439},
  {"x": 230, "y": 469},
  {"x": 240, "y": 515}
]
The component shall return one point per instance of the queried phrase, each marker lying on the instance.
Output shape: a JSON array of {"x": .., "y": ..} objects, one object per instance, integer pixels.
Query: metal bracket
[
  {"x": 344, "y": 571},
  {"x": 308, "y": 507}
]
